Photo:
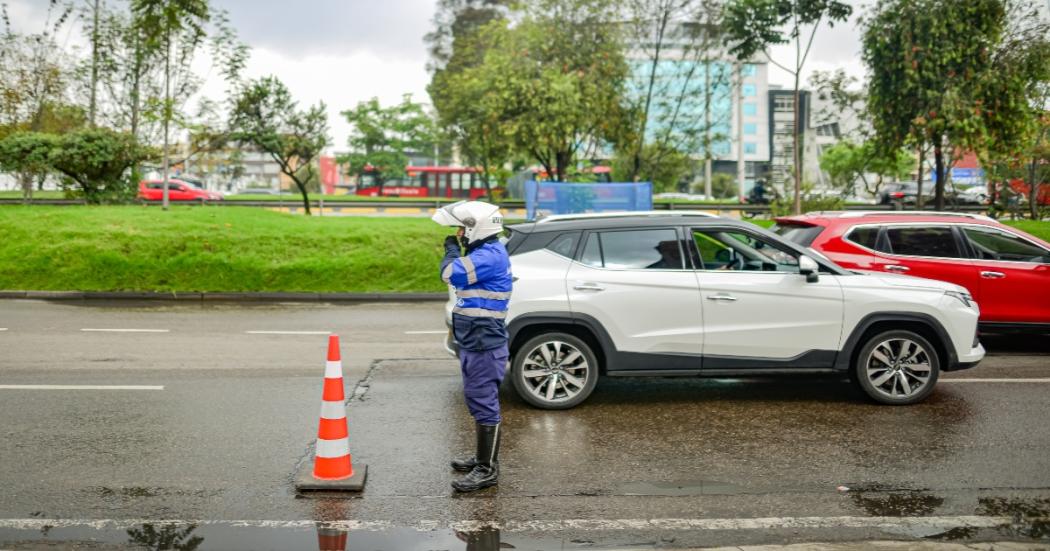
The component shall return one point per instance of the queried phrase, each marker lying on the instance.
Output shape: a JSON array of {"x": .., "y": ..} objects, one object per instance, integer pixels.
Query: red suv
[
  {"x": 1006, "y": 270},
  {"x": 153, "y": 190}
]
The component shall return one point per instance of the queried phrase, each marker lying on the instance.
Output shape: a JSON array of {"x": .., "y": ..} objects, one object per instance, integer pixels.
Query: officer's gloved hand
[{"x": 452, "y": 242}]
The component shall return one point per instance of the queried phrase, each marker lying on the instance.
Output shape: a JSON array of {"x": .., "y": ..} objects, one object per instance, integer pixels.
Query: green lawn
[
  {"x": 213, "y": 249},
  {"x": 137, "y": 248}
]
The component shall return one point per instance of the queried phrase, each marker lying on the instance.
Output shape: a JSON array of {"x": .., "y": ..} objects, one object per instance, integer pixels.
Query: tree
[
  {"x": 676, "y": 82},
  {"x": 456, "y": 21},
  {"x": 381, "y": 138},
  {"x": 751, "y": 26},
  {"x": 666, "y": 168},
  {"x": 467, "y": 112},
  {"x": 36, "y": 72},
  {"x": 98, "y": 161},
  {"x": 556, "y": 80},
  {"x": 953, "y": 75},
  {"x": 264, "y": 114},
  {"x": 846, "y": 162},
  {"x": 27, "y": 154}
]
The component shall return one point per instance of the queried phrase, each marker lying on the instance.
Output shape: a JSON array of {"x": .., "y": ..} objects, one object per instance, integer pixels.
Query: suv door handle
[
  {"x": 588, "y": 287},
  {"x": 993, "y": 275},
  {"x": 723, "y": 297},
  {"x": 896, "y": 268}
]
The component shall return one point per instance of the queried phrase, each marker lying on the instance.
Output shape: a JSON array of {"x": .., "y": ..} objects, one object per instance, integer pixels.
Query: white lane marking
[
  {"x": 3, "y": 329},
  {"x": 108, "y": 330},
  {"x": 80, "y": 387},
  {"x": 426, "y": 332},
  {"x": 288, "y": 332},
  {"x": 937, "y": 522},
  {"x": 1032, "y": 380}
]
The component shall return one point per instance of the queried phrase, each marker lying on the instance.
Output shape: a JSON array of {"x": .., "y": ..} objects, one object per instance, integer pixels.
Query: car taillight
[{"x": 897, "y": 194}]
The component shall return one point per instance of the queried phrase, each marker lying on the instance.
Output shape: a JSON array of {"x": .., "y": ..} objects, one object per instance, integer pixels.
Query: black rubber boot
[{"x": 486, "y": 469}]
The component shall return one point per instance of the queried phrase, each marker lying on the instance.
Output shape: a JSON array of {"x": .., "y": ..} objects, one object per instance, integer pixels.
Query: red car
[
  {"x": 178, "y": 190},
  {"x": 1006, "y": 270}
]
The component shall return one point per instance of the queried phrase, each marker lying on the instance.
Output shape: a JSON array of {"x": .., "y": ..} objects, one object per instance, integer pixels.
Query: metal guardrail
[{"x": 422, "y": 204}]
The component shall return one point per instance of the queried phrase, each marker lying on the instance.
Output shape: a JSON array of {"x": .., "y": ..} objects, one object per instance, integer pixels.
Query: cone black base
[{"x": 305, "y": 481}]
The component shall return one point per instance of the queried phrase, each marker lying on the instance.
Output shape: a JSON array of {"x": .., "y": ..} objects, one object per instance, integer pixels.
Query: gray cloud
[{"x": 389, "y": 28}]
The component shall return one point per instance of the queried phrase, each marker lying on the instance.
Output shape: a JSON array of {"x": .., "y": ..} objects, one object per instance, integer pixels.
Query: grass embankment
[
  {"x": 213, "y": 249},
  {"x": 186, "y": 249}
]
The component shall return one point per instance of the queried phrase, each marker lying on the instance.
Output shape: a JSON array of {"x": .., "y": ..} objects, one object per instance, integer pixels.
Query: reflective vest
[{"x": 483, "y": 283}]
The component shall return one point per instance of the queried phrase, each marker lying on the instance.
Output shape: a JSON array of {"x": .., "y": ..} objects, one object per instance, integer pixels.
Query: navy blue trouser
[{"x": 483, "y": 372}]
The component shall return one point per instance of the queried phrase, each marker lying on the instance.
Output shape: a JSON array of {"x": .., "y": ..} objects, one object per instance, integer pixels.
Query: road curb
[{"x": 222, "y": 296}]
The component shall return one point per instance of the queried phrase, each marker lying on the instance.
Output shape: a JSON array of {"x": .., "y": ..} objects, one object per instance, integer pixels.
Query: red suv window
[{"x": 937, "y": 241}]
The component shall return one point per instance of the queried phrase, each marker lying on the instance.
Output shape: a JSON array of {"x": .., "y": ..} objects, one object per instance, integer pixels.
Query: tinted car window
[
  {"x": 993, "y": 244},
  {"x": 656, "y": 249},
  {"x": 564, "y": 244},
  {"x": 935, "y": 241},
  {"x": 803, "y": 235},
  {"x": 592, "y": 252},
  {"x": 865, "y": 237}
]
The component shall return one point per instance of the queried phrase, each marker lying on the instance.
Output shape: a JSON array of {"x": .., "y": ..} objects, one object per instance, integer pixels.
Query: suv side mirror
[{"x": 809, "y": 268}]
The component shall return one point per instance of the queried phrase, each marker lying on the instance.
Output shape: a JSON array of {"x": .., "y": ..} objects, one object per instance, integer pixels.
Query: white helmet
[{"x": 479, "y": 218}]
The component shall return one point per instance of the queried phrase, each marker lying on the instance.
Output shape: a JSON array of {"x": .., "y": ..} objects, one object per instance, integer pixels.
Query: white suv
[{"x": 688, "y": 294}]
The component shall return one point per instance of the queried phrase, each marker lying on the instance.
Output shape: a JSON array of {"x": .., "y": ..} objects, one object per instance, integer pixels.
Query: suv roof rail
[
  {"x": 624, "y": 214},
  {"x": 861, "y": 213}
]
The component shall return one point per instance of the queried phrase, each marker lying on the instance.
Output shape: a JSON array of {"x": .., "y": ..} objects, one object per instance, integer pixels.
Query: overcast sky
[{"x": 345, "y": 51}]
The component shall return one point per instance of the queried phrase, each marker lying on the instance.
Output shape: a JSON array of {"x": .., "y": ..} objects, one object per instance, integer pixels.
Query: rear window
[
  {"x": 866, "y": 237},
  {"x": 937, "y": 241},
  {"x": 563, "y": 243},
  {"x": 798, "y": 234}
]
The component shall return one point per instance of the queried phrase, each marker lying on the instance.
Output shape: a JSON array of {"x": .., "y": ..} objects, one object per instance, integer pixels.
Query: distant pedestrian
[{"x": 482, "y": 280}]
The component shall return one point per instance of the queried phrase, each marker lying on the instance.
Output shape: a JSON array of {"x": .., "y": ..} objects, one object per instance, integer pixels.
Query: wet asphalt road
[{"x": 644, "y": 463}]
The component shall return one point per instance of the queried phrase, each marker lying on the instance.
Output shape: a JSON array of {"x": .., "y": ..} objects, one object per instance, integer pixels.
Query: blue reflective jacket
[{"x": 483, "y": 284}]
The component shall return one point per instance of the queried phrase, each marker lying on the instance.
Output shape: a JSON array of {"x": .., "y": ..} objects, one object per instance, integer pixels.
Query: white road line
[
  {"x": 107, "y": 330},
  {"x": 3, "y": 329},
  {"x": 288, "y": 332},
  {"x": 80, "y": 387},
  {"x": 936, "y": 522},
  {"x": 1030, "y": 380},
  {"x": 426, "y": 332}
]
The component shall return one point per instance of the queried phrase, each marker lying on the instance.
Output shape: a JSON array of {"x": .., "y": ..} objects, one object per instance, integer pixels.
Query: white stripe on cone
[
  {"x": 333, "y": 448},
  {"x": 333, "y": 410},
  {"x": 333, "y": 370}
]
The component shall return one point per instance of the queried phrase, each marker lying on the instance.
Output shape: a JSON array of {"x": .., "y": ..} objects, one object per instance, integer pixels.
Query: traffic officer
[{"x": 483, "y": 284}]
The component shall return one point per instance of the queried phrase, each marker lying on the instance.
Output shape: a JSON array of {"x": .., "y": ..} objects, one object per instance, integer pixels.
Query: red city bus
[{"x": 433, "y": 181}]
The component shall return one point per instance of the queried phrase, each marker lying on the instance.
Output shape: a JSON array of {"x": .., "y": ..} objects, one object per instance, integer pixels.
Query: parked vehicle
[
  {"x": 682, "y": 293},
  {"x": 178, "y": 190},
  {"x": 905, "y": 193},
  {"x": 1005, "y": 269}
]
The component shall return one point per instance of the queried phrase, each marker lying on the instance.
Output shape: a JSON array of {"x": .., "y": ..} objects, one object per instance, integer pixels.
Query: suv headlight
[{"x": 963, "y": 297}]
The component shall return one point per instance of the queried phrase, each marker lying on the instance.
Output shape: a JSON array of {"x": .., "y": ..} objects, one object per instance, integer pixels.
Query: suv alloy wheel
[
  {"x": 554, "y": 371},
  {"x": 897, "y": 368}
]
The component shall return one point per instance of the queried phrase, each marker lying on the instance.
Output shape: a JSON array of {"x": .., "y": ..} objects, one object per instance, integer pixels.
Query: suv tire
[
  {"x": 896, "y": 368},
  {"x": 554, "y": 371}
]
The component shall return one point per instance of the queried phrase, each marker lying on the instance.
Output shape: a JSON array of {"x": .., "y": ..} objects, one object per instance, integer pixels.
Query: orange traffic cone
[{"x": 333, "y": 469}]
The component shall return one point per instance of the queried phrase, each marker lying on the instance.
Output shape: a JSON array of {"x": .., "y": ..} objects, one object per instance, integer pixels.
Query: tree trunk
[
  {"x": 302, "y": 191},
  {"x": 167, "y": 118},
  {"x": 94, "y": 66},
  {"x": 1033, "y": 191},
  {"x": 938, "y": 163},
  {"x": 920, "y": 202}
]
